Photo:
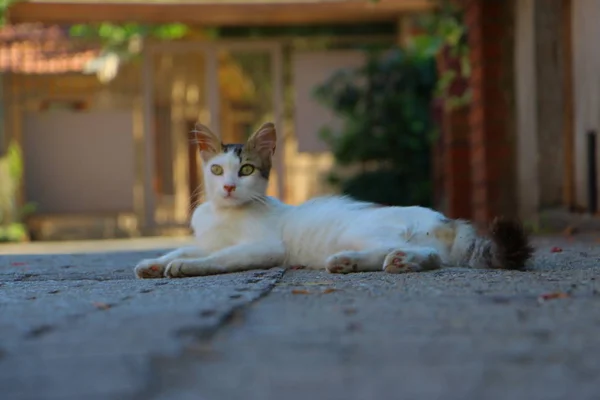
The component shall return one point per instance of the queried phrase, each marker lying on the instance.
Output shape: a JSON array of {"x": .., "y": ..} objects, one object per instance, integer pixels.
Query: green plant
[
  {"x": 11, "y": 215},
  {"x": 4, "y": 6},
  {"x": 387, "y": 127},
  {"x": 121, "y": 43},
  {"x": 445, "y": 37}
]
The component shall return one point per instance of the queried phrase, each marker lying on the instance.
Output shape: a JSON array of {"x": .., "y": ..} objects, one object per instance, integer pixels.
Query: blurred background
[{"x": 477, "y": 108}]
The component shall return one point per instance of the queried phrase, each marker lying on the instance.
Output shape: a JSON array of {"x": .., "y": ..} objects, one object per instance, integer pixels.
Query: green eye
[
  {"x": 216, "y": 169},
  {"x": 246, "y": 170}
]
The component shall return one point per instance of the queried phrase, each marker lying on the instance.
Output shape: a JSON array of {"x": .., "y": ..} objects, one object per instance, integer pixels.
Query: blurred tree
[
  {"x": 387, "y": 127},
  {"x": 388, "y": 124},
  {"x": 124, "y": 41}
]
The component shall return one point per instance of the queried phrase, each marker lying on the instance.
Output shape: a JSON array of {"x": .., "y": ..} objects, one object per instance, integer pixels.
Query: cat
[{"x": 239, "y": 228}]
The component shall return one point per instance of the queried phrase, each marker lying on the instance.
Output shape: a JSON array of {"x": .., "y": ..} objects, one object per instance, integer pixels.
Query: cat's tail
[{"x": 506, "y": 247}]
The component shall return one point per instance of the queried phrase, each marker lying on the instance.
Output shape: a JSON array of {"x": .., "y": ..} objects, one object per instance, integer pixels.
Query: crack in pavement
[
  {"x": 196, "y": 339},
  {"x": 92, "y": 329}
]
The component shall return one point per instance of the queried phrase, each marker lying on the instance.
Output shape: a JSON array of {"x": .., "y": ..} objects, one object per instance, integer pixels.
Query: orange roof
[{"x": 37, "y": 49}]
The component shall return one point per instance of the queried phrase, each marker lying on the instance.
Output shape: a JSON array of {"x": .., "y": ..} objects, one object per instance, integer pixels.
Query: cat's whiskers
[
  {"x": 259, "y": 198},
  {"x": 199, "y": 194}
]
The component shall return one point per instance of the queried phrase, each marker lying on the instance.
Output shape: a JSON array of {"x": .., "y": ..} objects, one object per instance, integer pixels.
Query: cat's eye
[
  {"x": 246, "y": 170},
  {"x": 216, "y": 169}
]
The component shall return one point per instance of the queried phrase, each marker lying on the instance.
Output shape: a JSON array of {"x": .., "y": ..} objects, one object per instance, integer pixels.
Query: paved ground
[{"x": 78, "y": 326}]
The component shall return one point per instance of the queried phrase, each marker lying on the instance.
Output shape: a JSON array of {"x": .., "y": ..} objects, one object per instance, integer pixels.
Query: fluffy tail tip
[{"x": 512, "y": 245}]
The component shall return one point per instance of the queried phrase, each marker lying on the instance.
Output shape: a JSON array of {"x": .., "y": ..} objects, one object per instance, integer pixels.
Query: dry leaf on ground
[
  {"x": 329, "y": 290},
  {"x": 300, "y": 291},
  {"x": 101, "y": 306},
  {"x": 554, "y": 295},
  {"x": 556, "y": 250}
]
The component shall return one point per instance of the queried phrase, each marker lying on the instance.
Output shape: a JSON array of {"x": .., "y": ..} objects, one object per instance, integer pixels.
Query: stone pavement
[{"x": 79, "y": 326}]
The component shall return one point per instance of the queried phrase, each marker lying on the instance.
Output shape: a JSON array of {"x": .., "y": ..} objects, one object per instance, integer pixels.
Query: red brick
[{"x": 489, "y": 157}]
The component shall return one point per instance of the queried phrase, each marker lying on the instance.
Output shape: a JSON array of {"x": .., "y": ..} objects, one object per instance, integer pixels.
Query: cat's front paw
[
  {"x": 174, "y": 269},
  {"x": 150, "y": 269},
  {"x": 341, "y": 264}
]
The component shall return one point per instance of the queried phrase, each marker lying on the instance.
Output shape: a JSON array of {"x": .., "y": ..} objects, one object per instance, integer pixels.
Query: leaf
[
  {"x": 329, "y": 290},
  {"x": 553, "y": 296},
  {"x": 300, "y": 291},
  {"x": 556, "y": 250},
  {"x": 102, "y": 306}
]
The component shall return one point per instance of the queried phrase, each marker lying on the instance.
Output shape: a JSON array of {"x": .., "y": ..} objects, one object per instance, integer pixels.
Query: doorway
[{"x": 233, "y": 87}]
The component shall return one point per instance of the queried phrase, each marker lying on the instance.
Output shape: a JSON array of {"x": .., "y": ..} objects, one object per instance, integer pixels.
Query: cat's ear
[
  {"x": 264, "y": 140},
  {"x": 209, "y": 144}
]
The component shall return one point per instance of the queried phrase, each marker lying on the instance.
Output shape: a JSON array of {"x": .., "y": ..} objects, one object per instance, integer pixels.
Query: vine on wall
[{"x": 445, "y": 37}]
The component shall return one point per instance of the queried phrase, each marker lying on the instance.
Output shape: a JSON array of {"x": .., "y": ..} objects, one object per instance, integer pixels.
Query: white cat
[{"x": 239, "y": 228}]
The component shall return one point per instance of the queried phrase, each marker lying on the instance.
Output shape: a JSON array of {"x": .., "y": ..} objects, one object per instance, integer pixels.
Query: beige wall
[
  {"x": 550, "y": 64},
  {"x": 526, "y": 104},
  {"x": 540, "y": 102},
  {"x": 586, "y": 71},
  {"x": 310, "y": 69},
  {"x": 77, "y": 162}
]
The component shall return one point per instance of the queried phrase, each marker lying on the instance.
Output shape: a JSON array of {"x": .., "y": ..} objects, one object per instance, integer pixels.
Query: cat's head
[{"x": 236, "y": 174}]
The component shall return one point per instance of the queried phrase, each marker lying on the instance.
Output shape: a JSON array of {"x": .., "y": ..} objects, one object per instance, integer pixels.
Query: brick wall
[
  {"x": 492, "y": 144},
  {"x": 452, "y": 151}
]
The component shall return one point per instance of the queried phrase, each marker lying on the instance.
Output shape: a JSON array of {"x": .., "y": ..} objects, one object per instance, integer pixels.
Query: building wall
[
  {"x": 540, "y": 63},
  {"x": 586, "y": 75},
  {"x": 550, "y": 61},
  {"x": 79, "y": 162},
  {"x": 527, "y": 110}
]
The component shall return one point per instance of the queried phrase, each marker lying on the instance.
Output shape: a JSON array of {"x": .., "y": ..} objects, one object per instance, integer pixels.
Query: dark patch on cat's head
[
  {"x": 247, "y": 155},
  {"x": 263, "y": 164},
  {"x": 257, "y": 151},
  {"x": 234, "y": 148}
]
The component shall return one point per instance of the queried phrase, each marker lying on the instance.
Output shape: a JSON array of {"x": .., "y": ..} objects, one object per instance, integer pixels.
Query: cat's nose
[{"x": 229, "y": 188}]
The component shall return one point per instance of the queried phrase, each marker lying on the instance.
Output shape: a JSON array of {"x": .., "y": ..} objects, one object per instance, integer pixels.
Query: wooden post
[
  {"x": 569, "y": 121},
  {"x": 149, "y": 155},
  {"x": 278, "y": 102}
]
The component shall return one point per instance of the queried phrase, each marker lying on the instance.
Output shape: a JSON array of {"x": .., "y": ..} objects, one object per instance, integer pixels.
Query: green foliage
[
  {"x": 11, "y": 175},
  {"x": 4, "y": 6},
  {"x": 117, "y": 35},
  {"x": 387, "y": 122},
  {"x": 125, "y": 40},
  {"x": 15, "y": 232},
  {"x": 446, "y": 37},
  {"x": 14, "y": 157},
  {"x": 388, "y": 186}
]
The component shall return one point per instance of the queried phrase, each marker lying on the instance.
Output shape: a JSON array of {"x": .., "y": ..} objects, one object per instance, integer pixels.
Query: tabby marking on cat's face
[{"x": 236, "y": 174}]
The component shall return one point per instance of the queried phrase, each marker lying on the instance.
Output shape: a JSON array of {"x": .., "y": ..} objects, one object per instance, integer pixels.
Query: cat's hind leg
[
  {"x": 412, "y": 259},
  {"x": 395, "y": 260},
  {"x": 155, "y": 267},
  {"x": 357, "y": 261},
  {"x": 243, "y": 257}
]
